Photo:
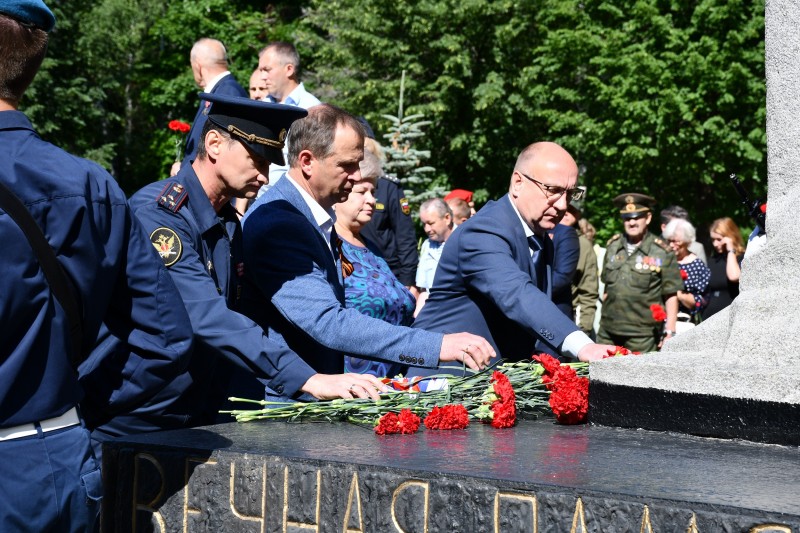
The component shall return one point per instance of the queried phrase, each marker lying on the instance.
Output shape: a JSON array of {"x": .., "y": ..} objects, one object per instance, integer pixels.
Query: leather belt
[{"x": 70, "y": 418}]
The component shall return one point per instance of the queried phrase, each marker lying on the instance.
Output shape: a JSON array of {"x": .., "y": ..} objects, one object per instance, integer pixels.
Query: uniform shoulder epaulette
[
  {"x": 172, "y": 196},
  {"x": 663, "y": 244},
  {"x": 393, "y": 179},
  {"x": 614, "y": 238}
]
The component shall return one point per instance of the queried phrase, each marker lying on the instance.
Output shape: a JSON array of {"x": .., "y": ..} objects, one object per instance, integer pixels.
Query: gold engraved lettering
[
  {"x": 403, "y": 486},
  {"x": 354, "y": 492},
  {"x": 693, "y": 525},
  {"x": 578, "y": 519},
  {"x": 186, "y": 475},
  {"x": 771, "y": 528},
  {"x": 232, "y": 497},
  {"x": 514, "y": 496},
  {"x": 286, "y": 522},
  {"x": 647, "y": 527},
  {"x": 149, "y": 506}
]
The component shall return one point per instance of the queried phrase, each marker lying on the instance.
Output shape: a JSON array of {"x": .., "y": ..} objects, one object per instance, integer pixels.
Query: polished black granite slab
[
  {"x": 538, "y": 476},
  {"x": 704, "y": 415}
]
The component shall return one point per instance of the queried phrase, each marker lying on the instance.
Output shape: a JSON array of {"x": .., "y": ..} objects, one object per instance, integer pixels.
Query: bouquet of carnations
[{"x": 496, "y": 396}]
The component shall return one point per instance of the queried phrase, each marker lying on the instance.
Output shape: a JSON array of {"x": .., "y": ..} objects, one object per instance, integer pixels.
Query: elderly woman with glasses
[
  {"x": 369, "y": 284},
  {"x": 680, "y": 233}
]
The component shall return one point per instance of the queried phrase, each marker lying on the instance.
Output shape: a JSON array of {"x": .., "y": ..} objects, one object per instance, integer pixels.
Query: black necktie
[{"x": 535, "y": 243}]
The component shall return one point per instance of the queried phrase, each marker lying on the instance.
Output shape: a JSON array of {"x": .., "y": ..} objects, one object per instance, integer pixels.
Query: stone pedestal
[
  {"x": 536, "y": 477},
  {"x": 736, "y": 375}
]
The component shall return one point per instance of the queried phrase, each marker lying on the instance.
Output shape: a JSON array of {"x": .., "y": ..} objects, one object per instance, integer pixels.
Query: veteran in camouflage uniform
[{"x": 640, "y": 270}]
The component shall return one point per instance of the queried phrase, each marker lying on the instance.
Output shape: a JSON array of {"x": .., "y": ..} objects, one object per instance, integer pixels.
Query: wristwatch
[{"x": 669, "y": 332}]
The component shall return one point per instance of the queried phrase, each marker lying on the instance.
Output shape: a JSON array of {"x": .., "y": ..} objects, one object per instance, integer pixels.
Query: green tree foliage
[
  {"x": 658, "y": 96},
  {"x": 118, "y": 71}
]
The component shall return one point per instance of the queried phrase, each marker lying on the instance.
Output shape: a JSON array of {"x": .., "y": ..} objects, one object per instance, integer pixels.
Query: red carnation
[
  {"x": 570, "y": 400},
  {"x": 503, "y": 388},
  {"x": 659, "y": 315},
  {"x": 504, "y": 409},
  {"x": 684, "y": 275},
  {"x": 505, "y": 414},
  {"x": 177, "y": 125},
  {"x": 387, "y": 424},
  {"x": 548, "y": 362},
  {"x": 453, "y": 416},
  {"x": 406, "y": 422}
]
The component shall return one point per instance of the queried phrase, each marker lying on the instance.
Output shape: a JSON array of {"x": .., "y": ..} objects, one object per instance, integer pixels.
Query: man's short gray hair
[
  {"x": 286, "y": 52},
  {"x": 436, "y": 205}
]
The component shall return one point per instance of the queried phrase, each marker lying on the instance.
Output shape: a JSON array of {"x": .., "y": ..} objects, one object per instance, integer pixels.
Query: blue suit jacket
[
  {"x": 227, "y": 86},
  {"x": 297, "y": 293},
  {"x": 485, "y": 284}
]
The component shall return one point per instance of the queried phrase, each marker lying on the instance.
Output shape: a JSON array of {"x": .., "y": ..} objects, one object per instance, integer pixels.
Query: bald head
[
  {"x": 545, "y": 155},
  {"x": 542, "y": 177},
  {"x": 208, "y": 59}
]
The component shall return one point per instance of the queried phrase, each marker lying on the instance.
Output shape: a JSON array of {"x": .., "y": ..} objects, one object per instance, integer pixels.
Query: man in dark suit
[
  {"x": 292, "y": 260},
  {"x": 566, "y": 252},
  {"x": 495, "y": 273},
  {"x": 209, "y": 62}
]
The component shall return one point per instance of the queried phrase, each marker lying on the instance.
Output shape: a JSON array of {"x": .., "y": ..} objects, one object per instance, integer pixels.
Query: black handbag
[{"x": 57, "y": 278}]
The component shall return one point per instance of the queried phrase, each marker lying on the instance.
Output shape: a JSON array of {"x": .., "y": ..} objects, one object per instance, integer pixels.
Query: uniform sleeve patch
[
  {"x": 405, "y": 206},
  {"x": 167, "y": 244}
]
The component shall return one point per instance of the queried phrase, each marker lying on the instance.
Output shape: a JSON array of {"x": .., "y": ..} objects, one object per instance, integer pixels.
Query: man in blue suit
[
  {"x": 293, "y": 270},
  {"x": 209, "y": 61},
  {"x": 495, "y": 273}
]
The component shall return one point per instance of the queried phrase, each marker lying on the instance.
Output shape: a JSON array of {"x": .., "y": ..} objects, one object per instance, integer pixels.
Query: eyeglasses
[{"x": 554, "y": 192}]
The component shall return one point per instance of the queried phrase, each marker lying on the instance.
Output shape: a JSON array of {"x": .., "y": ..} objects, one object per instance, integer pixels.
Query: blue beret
[{"x": 33, "y": 12}]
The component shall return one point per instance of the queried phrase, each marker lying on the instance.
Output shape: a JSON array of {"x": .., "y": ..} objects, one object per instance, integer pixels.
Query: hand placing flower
[
  {"x": 181, "y": 128},
  {"x": 620, "y": 351}
]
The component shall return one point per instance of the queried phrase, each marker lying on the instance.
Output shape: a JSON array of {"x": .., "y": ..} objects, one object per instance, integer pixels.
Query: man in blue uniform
[
  {"x": 196, "y": 231},
  {"x": 50, "y": 476}
]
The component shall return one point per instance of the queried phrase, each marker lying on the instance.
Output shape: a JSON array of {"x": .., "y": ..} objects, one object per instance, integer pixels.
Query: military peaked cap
[
  {"x": 261, "y": 126},
  {"x": 633, "y": 204}
]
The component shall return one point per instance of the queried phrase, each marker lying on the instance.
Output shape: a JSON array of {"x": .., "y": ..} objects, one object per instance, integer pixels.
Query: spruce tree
[{"x": 404, "y": 160}]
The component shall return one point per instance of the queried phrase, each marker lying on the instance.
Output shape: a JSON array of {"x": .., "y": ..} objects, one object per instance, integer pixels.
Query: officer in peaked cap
[
  {"x": 196, "y": 230},
  {"x": 105, "y": 276},
  {"x": 640, "y": 270},
  {"x": 632, "y": 205}
]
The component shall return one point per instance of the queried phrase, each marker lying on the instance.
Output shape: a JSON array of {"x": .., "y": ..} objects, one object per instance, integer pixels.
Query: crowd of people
[{"x": 279, "y": 260}]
